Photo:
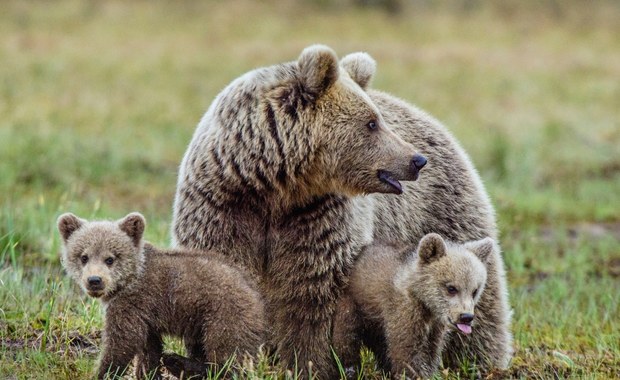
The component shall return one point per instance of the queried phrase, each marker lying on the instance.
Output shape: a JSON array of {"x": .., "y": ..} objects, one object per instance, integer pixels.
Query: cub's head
[
  {"x": 309, "y": 125},
  {"x": 450, "y": 278},
  {"x": 102, "y": 257}
]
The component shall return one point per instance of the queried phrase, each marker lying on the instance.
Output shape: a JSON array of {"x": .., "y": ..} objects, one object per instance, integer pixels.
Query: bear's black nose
[
  {"x": 94, "y": 281},
  {"x": 418, "y": 161},
  {"x": 466, "y": 318}
]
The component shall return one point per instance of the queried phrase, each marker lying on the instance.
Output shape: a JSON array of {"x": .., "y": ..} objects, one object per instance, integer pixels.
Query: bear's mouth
[
  {"x": 388, "y": 178},
  {"x": 465, "y": 328},
  {"x": 95, "y": 293}
]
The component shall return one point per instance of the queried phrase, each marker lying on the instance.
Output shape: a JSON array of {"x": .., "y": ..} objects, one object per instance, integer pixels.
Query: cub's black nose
[
  {"x": 418, "y": 161},
  {"x": 466, "y": 318},
  {"x": 94, "y": 281}
]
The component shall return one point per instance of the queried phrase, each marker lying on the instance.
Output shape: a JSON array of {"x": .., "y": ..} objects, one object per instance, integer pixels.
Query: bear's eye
[
  {"x": 474, "y": 294},
  {"x": 372, "y": 125},
  {"x": 452, "y": 290},
  {"x": 84, "y": 259},
  {"x": 109, "y": 261}
]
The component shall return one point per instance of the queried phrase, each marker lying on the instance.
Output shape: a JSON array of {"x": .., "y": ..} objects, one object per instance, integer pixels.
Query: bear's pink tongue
[{"x": 466, "y": 329}]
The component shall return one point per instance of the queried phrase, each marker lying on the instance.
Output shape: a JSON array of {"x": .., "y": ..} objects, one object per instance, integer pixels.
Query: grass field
[{"x": 98, "y": 101}]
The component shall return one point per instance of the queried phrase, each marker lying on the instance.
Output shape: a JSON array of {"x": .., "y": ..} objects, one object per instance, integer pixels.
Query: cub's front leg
[
  {"x": 413, "y": 346},
  {"x": 147, "y": 362},
  {"x": 124, "y": 337}
]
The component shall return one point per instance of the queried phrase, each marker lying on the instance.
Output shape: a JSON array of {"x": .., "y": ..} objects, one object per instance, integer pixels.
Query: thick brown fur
[
  {"x": 258, "y": 183},
  {"x": 401, "y": 307},
  {"x": 275, "y": 177},
  {"x": 149, "y": 292}
]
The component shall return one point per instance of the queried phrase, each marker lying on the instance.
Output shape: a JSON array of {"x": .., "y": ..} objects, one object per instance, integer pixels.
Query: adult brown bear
[{"x": 276, "y": 176}]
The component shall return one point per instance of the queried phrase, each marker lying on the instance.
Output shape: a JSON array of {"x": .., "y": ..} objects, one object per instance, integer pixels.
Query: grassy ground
[{"x": 98, "y": 101}]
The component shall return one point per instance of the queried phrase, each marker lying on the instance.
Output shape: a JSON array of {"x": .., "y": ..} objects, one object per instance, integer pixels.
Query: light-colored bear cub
[
  {"x": 402, "y": 306},
  {"x": 149, "y": 292}
]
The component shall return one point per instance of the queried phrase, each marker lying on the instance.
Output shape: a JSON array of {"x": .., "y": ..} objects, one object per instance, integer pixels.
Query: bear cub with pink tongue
[{"x": 403, "y": 305}]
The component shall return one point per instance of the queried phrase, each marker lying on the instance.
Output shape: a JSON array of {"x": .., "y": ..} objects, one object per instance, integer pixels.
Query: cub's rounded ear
[
  {"x": 482, "y": 248},
  {"x": 318, "y": 65},
  {"x": 361, "y": 67},
  {"x": 133, "y": 225},
  {"x": 67, "y": 224},
  {"x": 431, "y": 248}
]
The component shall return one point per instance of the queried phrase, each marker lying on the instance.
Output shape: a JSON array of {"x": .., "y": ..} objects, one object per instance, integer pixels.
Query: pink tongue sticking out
[{"x": 466, "y": 329}]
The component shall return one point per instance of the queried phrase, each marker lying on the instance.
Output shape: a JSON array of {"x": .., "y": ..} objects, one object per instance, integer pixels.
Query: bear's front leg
[
  {"x": 301, "y": 302},
  {"x": 124, "y": 337},
  {"x": 414, "y": 343},
  {"x": 116, "y": 357},
  {"x": 490, "y": 344},
  {"x": 301, "y": 311},
  {"x": 147, "y": 365},
  {"x": 310, "y": 252},
  {"x": 346, "y": 341}
]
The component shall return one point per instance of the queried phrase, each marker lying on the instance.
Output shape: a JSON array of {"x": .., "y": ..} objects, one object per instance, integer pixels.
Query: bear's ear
[
  {"x": 361, "y": 67},
  {"x": 431, "y": 248},
  {"x": 319, "y": 69},
  {"x": 133, "y": 225},
  {"x": 67, "y": 224},
  {"x": 482, "y": 248}
]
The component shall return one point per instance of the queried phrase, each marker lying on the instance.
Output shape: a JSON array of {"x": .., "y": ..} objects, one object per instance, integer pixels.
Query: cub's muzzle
[
  {"x": 95, "y": 286},
  {"x": 466, "y": 318}
]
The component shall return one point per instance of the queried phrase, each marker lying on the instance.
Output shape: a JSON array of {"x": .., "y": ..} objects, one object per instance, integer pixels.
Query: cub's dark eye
[
  {"x": 452, "y": 290},
  {"x": 474, "y": 294},
  {"x": 109, "y": 261},
  {"x": 372, "y": 125},
  {"x": 84, "y": 259}
]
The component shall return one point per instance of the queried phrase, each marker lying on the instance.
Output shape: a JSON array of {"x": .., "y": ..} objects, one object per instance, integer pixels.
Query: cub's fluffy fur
[
  {"x": 149, "y": 292},
  {"x": 401, "y": 304}
]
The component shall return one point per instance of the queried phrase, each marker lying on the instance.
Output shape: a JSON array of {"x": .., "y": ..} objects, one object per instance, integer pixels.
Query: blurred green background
[{"x": 99, "y": 99}]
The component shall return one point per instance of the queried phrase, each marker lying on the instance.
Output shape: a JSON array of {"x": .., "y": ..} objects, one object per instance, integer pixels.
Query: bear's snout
[
  {"x": 418, "y": 161},
  {"x": 466, "y": 318},
  {"x": 94, "y": 283}
]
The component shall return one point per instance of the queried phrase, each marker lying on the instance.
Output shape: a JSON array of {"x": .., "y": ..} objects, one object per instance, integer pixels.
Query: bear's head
[
  {"x": 449, "y": 278},
  {"x": 308, "y": 128},
  {"x": 102, "y": 257}
]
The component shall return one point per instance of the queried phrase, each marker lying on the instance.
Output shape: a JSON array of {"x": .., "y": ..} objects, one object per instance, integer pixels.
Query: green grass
[{"x": 98, "y": 101}]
